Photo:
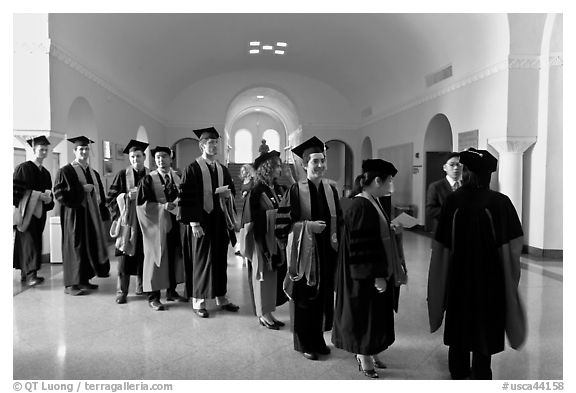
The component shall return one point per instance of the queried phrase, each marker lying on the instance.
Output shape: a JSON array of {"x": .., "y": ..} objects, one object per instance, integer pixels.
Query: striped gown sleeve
[
  {"x": 287, "y": 212},
  {"x": 367, "y": 259}
]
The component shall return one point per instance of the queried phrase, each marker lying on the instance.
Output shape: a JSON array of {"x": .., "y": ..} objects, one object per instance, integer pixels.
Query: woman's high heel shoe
[
  {"x": 369, "y": 373},
  {"x": 267, "y": 325}
]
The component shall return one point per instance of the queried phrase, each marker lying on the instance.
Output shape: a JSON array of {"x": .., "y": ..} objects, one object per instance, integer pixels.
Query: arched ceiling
[{"x": 372, "y": 59}]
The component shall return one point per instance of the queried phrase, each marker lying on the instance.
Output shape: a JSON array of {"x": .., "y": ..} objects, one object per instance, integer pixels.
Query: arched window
[
  {"x": 243, "y": 146},
  {"x": 272, "y": 139}
]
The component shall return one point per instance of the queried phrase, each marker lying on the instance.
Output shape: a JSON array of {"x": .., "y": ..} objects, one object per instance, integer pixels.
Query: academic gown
[
  {"x": 163, "y": 263},
  {"x": 267, "y": 293},
  {"x": 312, "y": 307},
  {"x": 130, "y": 265},
  {"x": 474, "y": 272},
  {"x": 28, "y": 244},
  {"x": 205, "y": 258},
  {"x": 363, "y": 318},
  {"x": 82, "y": 257}
]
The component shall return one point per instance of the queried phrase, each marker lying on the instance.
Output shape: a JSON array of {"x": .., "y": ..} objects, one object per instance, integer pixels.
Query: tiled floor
[{"x": 57, "y": 336}]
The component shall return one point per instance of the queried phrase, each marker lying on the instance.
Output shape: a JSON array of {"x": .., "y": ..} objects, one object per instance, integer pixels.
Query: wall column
[{"x": 510, "y": 150}]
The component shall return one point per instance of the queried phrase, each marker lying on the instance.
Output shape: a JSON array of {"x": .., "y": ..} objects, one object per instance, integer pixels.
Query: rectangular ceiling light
[
  {"x": 252, "y": 51},
  {"x": 254, "y": 43},
  {"x": 279, "y": 52},
  {"x": 267, "y": 47},
  {"x": 282, "y": 44},
  {"x": 260, "y": 97}
]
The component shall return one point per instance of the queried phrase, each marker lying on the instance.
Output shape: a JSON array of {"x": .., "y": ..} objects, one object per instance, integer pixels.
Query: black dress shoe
[
  {"x": 121, "y": 298},
  {"x": 175, "y": 297},
  {"x": 87, "y": 285},
  {"x": 156, "y": 305},
  {"x": 202, "y": 312},
  {"x": 230, "y": 307},
  {"x": 324, "y": 351},
  {"x": 74, "y": 290},
  {"x": 268, "y": 325},
  {"x": 32, "y": 282},
  {"x": 310, "y": 355}
]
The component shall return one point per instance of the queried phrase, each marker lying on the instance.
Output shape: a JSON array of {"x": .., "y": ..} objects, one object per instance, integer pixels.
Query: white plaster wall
[
  {"x": 479, "y": 105},
  {"x": 115, "y": 119}
]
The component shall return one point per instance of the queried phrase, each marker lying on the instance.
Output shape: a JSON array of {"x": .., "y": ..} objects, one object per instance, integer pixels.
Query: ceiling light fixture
[
  {"x": 260, "y": 97},
  {"x": 267, "y": 47},
  {"x": 282, "y": 44},
  {"x": 253, "y": 51},
  {"x": 279, "y": 52},
  {"x": 254, "y": 43}
]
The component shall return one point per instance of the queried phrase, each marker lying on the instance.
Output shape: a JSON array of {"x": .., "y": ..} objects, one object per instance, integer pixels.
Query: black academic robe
[
  {"x": 312, "y": 307},
  {"x": 205, "y": 258},
  {"x": 28, "y": 244},
  {"x": 474, "y": 272},
  {"x": 363, "y": 317},
  {"x": 163, "y": 261},
  {"x": 255, "y": 212},
  {"x": 80, "y": 255},
  {"x": 130, "y": 265}
]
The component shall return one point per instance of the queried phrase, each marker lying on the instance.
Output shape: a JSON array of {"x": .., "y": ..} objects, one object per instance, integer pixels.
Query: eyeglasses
[{"x": 454, "y": 164}]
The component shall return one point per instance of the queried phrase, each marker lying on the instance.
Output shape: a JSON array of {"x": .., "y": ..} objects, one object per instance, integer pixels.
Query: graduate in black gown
[
  {"x": 157, "y": 209},
  {"x": 365, "y": 278},
  {"x": 310, "y": 207},
  {"x": 121, "y": 201},
  {"x": 83, "y": 210},
  {"x": 32, "y": 197},
  {"x": 475, "y": 270},
  {"x": 209, "y": 226}
]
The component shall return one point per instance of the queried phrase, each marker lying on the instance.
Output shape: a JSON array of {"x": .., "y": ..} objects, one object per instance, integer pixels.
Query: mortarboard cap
[
  {"x": 80, "y": 141},
  {"x": 39, "y": 140},
  {"x": 135, "y": 145},
  {"x": 380, "y": 166},
  {"x": 479, "y": 161},
  {"x": 207, "y": 133},
  {"x": 164, "y": 149},
  {"x": 264, "y": 157},
  {"x": 312, "y": 145}
]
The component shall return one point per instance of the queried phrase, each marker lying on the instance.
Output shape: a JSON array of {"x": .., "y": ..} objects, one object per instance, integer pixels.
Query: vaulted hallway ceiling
[{"x": 371, "y": 59}]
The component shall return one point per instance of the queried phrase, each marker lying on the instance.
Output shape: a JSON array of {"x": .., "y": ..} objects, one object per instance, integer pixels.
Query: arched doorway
[
  {"x": 366, "y": 150},
  {"x": 339, "y": 160},
  {"x": 247, "y": 132},
  {"x": 437, "y": 145},
  {"x": 81, "y": 122},
  {"x": 186, "y": 150}
]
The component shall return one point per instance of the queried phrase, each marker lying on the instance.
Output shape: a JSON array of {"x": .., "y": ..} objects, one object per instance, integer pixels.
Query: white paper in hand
[
  {"x": 405, "y": 220},
  {"x": 221, "y": 190}
]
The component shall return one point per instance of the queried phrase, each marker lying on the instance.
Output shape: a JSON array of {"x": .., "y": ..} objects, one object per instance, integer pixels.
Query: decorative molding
[
  {"x": 32, "y": 48},
  {"x": 524, "y": 62},
  {"x": 556, "y": 60},
  {"x": 512, "y": 144},
  {"x": 66, "y": 58},
  {"x": 463, "y": 82}
]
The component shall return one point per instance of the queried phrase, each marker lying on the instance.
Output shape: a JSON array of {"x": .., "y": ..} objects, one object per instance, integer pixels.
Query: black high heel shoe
[
  {"x": 369, "y": 373},
  {"x": 268, "y": 325}
]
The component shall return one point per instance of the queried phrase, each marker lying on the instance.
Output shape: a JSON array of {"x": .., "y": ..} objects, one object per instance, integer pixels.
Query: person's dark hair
[
  {"x": 136, "y": 148},
  {"x": 451, "y": 155},
  {"x": 264, "y": 171},
  {"x": 475, "y": 179},
  {"x": 362, "y": 181}
]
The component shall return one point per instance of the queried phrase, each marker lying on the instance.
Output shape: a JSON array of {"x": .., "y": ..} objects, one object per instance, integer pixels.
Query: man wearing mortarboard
[
  {"x": 157, "y": 209},
  {"x": 205, "y": 192},
  {"x": 311, "y": 212},
  {"x": 83, "y": 210},
  {"x": 121, "y": 201},
  {"x": 32, "y": 198},
  {"x": 475, "y": 270}
]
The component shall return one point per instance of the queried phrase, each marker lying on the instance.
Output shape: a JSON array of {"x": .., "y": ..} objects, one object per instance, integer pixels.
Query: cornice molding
[
  {"x": 463, "y": 82},
  {"x": 60, "y": 54},
  {"x": 524, "y": 62},
  {"x": 556, "y": 60}
]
